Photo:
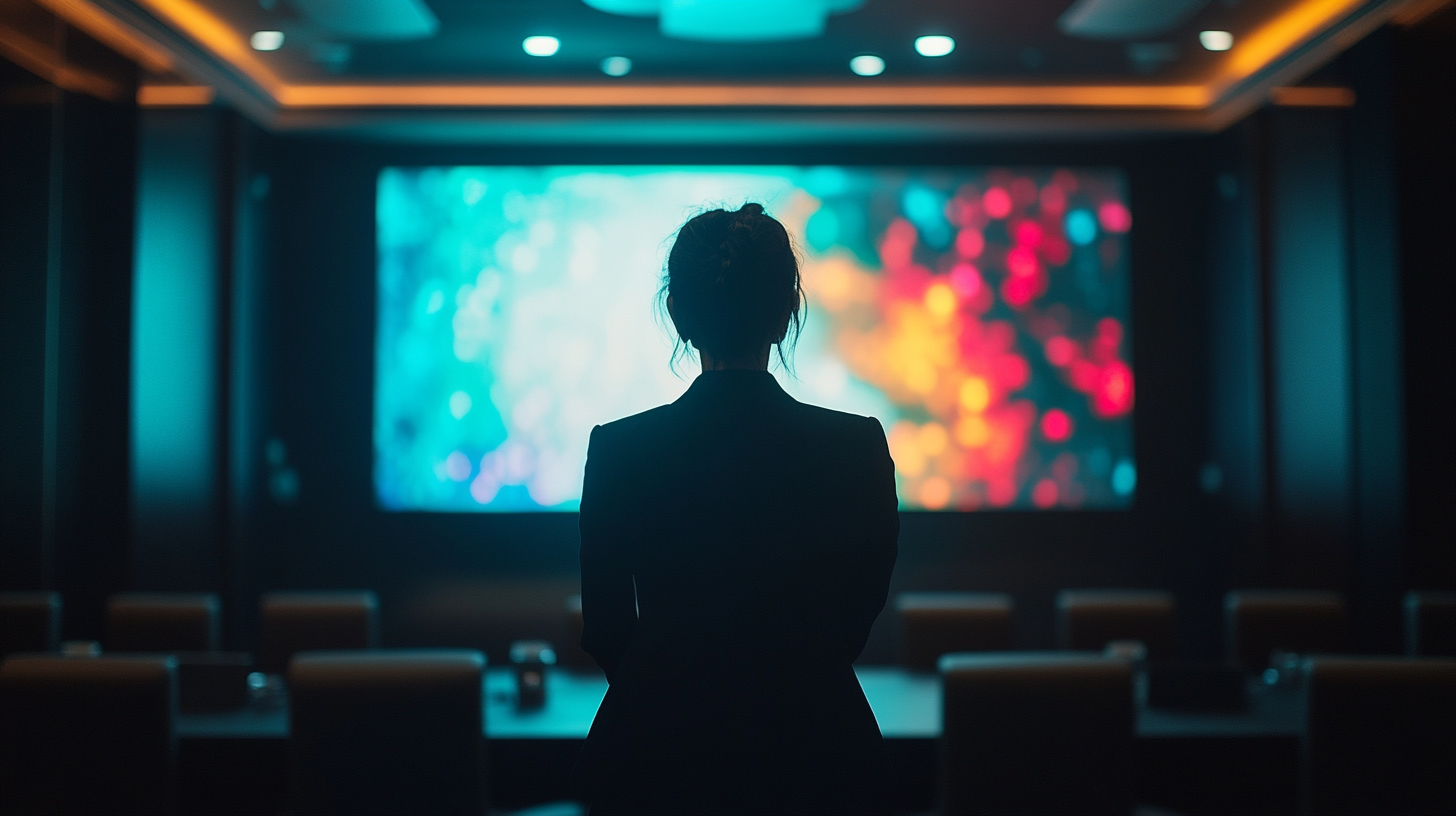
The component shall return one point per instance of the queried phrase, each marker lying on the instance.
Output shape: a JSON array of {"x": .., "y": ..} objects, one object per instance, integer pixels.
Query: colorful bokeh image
[{"x": 981, "y": 314}]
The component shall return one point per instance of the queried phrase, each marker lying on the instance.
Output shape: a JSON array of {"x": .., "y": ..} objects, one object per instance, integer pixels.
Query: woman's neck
[{"x": 757, "y": 362}]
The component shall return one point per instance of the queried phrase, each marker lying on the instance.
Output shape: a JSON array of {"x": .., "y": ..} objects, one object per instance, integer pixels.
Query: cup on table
[{"x": 530, "y": 658}]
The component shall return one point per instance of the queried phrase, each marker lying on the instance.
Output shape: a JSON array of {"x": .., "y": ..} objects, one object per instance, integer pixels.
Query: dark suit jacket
[{"x": 736, "y": 546}]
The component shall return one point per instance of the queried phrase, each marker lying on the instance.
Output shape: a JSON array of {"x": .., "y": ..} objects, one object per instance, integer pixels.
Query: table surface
[{"x": 906, "y": 704}]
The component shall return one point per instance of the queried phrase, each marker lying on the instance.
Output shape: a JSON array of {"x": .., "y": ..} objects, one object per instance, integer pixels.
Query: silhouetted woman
[{"x": 736, "y": 546}]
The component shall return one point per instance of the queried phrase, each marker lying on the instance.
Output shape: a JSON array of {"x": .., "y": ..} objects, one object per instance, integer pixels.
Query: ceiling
[
  {"x": 1002, "y": 41},
  {"x": 1014, "y": 68}
]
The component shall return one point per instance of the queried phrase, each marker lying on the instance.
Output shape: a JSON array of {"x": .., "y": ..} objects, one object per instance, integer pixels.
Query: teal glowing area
[{"x": 986, "y": 330}]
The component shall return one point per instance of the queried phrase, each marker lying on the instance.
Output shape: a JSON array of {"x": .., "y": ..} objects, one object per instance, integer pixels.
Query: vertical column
[
  {"x": 1310, "y": 346},
  {"x": 176, "y": 423}
]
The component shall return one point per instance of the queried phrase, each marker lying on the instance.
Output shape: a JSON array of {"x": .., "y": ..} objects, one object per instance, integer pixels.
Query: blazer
[{"x": 736, "y": 547}]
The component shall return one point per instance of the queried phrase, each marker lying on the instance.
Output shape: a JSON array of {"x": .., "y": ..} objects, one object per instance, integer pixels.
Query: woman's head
[{"x": 732, "y": 285}]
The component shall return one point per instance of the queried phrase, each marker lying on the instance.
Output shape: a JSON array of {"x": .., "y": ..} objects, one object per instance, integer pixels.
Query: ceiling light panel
[
  {"x": 934, "y": 45},
  {"x": 867, "y": 65},
  {"x": 541, "y": 46},
  {"x": 733, "y": 20},
  {"x": 266, "y": 40},
  {"x": 1216, "y": 40}
]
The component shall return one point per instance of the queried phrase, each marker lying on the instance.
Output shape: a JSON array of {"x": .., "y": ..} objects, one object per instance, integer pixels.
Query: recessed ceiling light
[
  {"x": 1216, "y": 40},
  {"x": 616, "y": 66},
  {"x": 867, "y": 65},
  {"x": 540, "y": 46},
  {"x": 266, "y": 40},
  {"x": 935, "y": 45}
]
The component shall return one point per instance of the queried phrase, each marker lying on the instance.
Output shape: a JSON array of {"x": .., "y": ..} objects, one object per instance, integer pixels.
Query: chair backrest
[
  {"x": 87, "y": 735},
  {"x": 1379, "y": 735},
  {"x": 1260, "y": 621},
  {"x": 1430, "y": 623},
  {"x": 1037, "y": 733},
  {"x": 29, "y": 622},
  {"x": 387, "y": 731},
  {"x": 294, "y": 622},
  {"x": 938, "y": 623},
  {"x": 1088, "y": 619},
  {"x": 163, "y": 622}
]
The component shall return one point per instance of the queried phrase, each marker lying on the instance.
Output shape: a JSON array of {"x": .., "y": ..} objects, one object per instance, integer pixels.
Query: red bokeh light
[
  {"x": 1022, "y": 263},
  {"x": 1053, "y": 200},
  {"x": 1011, "y": 371},
  {"x": 1044, "y": 495},
  {"x": 1055, "y": 249},
  {"x": 970, "y": 243},
  {"x": 1019, "y": 291},
  {"x": 1114, "y": 394},
  {"x": 997, "y": 202},
  {"x": 1028, "y": 234},
  {"x": 1060, "y": 351},
  {"x": 1056, "y": 426},
  {"x": 898, "y": 245},
  {"x": 1114, "y": 216},
  {"x": 1000, "y": 491},
  {"x": 965, "y": 280}
]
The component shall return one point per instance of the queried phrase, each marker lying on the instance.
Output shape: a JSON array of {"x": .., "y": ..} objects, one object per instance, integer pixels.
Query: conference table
[{"x": 1239, "y": 761}]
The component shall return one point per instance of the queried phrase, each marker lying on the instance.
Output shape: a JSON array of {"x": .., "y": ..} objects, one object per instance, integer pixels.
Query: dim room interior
[{"x": 308, "y": 309}]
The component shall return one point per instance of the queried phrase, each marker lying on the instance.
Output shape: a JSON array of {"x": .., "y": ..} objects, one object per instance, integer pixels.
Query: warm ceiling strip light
[
  {"x": 682, "y": 96},
  {"x": 105, "y": 28},
  {"x": 50, "y": 66},
  {"x": 212, "y": 33},
  {"x": 174, "y": 96},
  {"x": 1281, "y": 35}
]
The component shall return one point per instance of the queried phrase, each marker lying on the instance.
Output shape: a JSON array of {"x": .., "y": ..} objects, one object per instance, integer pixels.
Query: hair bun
[{"x": 751, "y": 208}]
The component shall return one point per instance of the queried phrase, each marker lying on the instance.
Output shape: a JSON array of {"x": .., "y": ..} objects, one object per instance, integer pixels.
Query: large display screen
[{"x": 981, "y": 314}]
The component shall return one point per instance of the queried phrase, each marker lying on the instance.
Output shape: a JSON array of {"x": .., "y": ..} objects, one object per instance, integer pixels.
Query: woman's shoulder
[
  {"x": 843, "y": 422},
  {"x": 647, "y": 422}
]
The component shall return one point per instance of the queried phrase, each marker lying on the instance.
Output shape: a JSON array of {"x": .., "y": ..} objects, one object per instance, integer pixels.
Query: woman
[{"x": 736, "y": 546}]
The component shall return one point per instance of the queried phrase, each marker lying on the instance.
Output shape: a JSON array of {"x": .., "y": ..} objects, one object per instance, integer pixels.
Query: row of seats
[
  {"x": 1054, "y": 733},
  {"x": 397, "y": 731},
  {"x": 289, "y": 622},
  {"x": 1256, "y": 623},
  {"x": 372, "y": 732}
]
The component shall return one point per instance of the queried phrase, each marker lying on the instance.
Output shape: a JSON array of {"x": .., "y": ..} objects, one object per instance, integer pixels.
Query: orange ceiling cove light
[
  {"x": 1282, "y": 34},
  {"x": 798, "y": 96}
]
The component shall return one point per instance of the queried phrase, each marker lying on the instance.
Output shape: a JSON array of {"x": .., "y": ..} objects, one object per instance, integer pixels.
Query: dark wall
[
  {"x": 1425, "y": 126},
  {"x": 68, "y": 173},
  {"x": 439, "y": 572}
]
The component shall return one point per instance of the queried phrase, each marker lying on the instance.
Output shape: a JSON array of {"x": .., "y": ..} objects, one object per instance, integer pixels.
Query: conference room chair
[
  {"x": 387, "y": 731},
  {"x": 938, "y": 623},
  {"x": 1430, "y": 623},
  {"x": 1088, "y": 619},
  {"x": 163, "y": 622},
  {"x": 29, "y": 622},
  {"x": 1036, "y": 733},
  {"x": 1379, "y": 735},
  {"x": 294, "y": 622},
  {"x": 87, "y": 734},
  {"x": 1258, "y": 622}
]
